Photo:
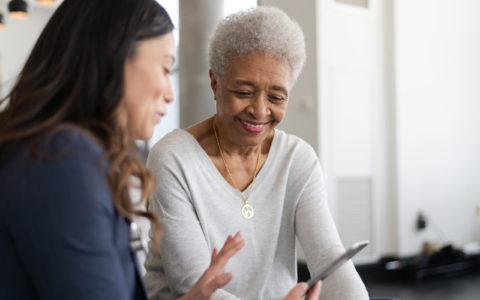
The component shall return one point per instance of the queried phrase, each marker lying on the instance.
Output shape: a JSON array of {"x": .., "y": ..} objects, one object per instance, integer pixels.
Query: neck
[{"x": 232, "y": 149}]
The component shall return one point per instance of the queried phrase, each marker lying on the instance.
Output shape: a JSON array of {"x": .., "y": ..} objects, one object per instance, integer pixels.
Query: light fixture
[
  {"x": 46, "y": 2},
  {"x": 18, "y": 9}
]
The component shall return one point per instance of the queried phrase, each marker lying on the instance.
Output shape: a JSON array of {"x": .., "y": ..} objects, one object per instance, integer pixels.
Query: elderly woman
[{"x": 235, "y": 171}]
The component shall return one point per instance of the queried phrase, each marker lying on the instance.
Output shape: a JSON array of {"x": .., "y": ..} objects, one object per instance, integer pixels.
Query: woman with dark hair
[{"x": 97, "y": 79}]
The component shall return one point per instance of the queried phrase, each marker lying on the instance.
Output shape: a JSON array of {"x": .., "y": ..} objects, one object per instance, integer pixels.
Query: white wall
[
  {"x": 354, "y": 97},
  {"x": 16, "y": 41},
  {"x": 438, "y": 121},
  {"x": 339, "y": 105},
  {"x": 301, "y": 118},
  {"x": 397, "y": 116}
]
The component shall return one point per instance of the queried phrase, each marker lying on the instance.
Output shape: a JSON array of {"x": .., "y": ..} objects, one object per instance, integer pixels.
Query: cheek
[
  {"x": 234, "y": 105},
  {"x": 146, "y": 84},
  {"x": 142, "y": 121},
  {"x": 139, "y": 112},
  {"x": 223, "y": 104},
  {"x": 157, "y": 82},
  {"x": 279, "y": 112},
  {"x": 142, "y": 106}
]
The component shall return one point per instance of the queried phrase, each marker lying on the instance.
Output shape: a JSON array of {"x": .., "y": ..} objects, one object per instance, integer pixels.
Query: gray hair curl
[{"x": 262, "y": 29}]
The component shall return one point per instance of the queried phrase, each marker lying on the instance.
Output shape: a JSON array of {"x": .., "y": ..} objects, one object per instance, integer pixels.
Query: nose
[
  {"x": 259, "y": 107},
  {"x": 169, "y": 95}
]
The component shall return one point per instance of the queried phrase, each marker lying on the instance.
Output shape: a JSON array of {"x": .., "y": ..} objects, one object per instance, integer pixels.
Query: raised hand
[{"x": 214, "y": 278}]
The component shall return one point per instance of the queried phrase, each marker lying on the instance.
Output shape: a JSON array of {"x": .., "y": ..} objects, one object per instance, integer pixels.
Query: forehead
[
  {"x": 161, "y": 46},
  {"x": 258, "y": 68}
]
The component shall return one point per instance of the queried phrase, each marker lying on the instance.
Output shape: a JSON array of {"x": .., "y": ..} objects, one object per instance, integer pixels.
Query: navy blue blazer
[{"x": 60, "y": 234}]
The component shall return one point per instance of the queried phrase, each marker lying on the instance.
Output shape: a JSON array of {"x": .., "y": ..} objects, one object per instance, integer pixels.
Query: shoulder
[
  {"x": 172, "y": 141},
  {"x": 295, "y": 157},
  {"x": 68, "y": 143},
  {"x": 70, "y": 156},
  {"x": 75, "y": 158},
  {"x": 293, "y": 146},
  {"x": 62, "y": 149},
  {"x": 176, "y": 144},
  {"x": 298, "y": 162},
  {"x": 67, "y": 170}
]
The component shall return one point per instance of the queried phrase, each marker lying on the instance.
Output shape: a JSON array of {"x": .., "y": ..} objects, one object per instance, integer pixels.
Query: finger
[
  {"x": 229, "y": 250},
  {"x": 314, "y": 292},
  {"x": 238, "y": 234},
  {"x": 232, "y": 245},
  {"x": 220, "y": 259},
  {"x": 228, "y": 241},
  {"x": 223, "y": 257},
  {"x": 297, "y": 292},
  {"x": 214, "y": 254},
  {"x": 232, "y": 242},
  {"x": 229, "y": 238}
]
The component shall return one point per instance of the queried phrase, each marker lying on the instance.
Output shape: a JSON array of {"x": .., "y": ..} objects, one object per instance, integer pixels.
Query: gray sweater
[{"x": 199, "y": 208}]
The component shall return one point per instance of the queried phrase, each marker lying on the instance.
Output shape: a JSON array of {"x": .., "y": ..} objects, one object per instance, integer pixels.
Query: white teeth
[{"x": 251, "y": 125}]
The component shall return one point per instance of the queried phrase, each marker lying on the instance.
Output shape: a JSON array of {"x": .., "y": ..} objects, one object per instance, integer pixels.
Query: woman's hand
[
  {"x": 300, "y": 289},
  {"x": 214, "y": 278}
]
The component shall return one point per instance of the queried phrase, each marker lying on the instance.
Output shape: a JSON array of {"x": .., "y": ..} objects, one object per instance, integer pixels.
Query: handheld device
[{"x": 354, "y": 249}]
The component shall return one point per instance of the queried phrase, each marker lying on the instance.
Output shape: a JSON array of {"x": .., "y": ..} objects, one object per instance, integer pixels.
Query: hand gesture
[
  {"x": 300, "y": 289},
  {"x": 214, "y": 278}
]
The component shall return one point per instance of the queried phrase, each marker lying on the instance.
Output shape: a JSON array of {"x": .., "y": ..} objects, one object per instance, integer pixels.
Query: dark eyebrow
[
  {"x": 249, "y": 83},
  {"x": 243, "y": 82}
]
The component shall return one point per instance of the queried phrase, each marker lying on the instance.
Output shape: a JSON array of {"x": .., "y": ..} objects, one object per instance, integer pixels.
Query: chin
[
  {"x": 144, "y": 135},
  {"x": 147, "y": 136}
]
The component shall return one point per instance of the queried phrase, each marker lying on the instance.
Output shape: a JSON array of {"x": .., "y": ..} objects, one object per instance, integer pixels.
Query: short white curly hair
[{"x": 262, "y": 29}]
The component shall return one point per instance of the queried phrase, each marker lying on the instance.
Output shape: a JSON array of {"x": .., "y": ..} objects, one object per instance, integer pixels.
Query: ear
[{"x": 213, "y": 83}]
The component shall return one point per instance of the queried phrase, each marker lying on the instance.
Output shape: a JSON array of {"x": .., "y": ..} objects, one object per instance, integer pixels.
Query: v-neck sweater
[{"x": 199, "y": 209}]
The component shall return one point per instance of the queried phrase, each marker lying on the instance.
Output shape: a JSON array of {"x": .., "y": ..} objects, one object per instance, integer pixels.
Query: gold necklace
[{"x": 247, "y": 209}]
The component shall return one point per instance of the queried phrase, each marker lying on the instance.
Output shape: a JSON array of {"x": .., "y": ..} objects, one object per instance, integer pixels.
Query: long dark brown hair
[{"x": 74, "y": 76}]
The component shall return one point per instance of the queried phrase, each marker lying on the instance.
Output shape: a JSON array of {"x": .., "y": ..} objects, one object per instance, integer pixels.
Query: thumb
[{"x": 297, "y": 292}]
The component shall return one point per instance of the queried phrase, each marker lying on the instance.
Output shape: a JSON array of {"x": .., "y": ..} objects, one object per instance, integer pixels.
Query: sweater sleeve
[
  {"x": 319, "y": 238},
  {"x": 65, "y": 227},
  {"x": 184, "y": 252}
]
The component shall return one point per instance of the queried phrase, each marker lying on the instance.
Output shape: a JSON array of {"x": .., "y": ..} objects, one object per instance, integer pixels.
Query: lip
[
  {"x": 259, "y": 126},
  {"x": 159, "y": 116}
]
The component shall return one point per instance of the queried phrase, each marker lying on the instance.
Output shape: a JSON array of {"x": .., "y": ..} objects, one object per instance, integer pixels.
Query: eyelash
[
  {"x": 276, "y": 98},
  {"x": 246, "y": 94},
  {"x": 243, "y": 94}
]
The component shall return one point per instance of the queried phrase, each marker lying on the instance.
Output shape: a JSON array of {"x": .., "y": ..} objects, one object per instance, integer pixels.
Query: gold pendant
[{"x": 247, "y": 211}]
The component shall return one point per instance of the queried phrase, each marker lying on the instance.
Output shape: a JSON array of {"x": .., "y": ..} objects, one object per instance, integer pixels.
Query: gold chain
[{"x": 245, "y": 200}]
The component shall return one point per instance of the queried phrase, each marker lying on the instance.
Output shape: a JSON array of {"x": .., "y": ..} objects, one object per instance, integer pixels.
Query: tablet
[{"x": 329, "y": 269}]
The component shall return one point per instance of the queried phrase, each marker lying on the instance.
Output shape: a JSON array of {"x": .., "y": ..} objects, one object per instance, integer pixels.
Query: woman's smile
[{"x": 253, "y": 127}]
